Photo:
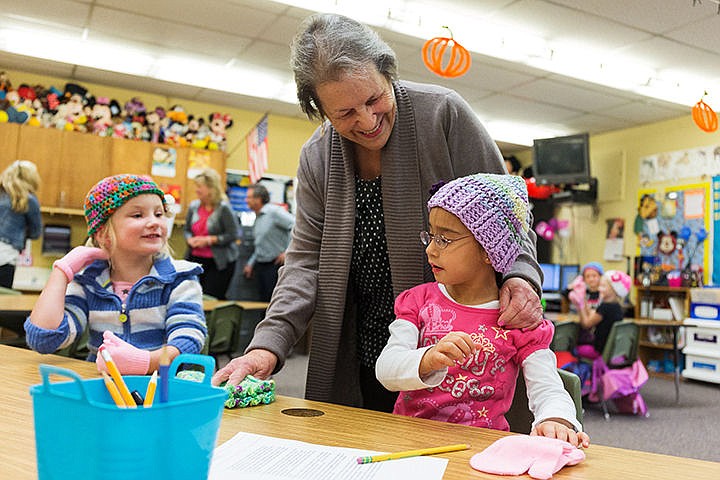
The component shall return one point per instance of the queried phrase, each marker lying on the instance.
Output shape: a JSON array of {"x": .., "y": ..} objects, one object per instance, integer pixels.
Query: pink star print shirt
[{"x": 479, "y": 391}]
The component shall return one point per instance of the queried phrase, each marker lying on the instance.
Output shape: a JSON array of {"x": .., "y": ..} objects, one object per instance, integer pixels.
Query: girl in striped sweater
[{"x": 124, "y": 286}]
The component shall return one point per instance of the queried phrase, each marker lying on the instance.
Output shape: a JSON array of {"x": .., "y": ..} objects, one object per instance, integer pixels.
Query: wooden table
[
  {"x": 339, "y": 426},
  {"x": 26, "y": 302}
]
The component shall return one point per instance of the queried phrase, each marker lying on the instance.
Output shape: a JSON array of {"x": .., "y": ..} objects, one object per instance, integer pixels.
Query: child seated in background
[
  {"x": 446, "y": 353},
  {"x": 125, "y": 288},
  {"x": 614, "y": 287},
  {"x": 584, "y": 288}
]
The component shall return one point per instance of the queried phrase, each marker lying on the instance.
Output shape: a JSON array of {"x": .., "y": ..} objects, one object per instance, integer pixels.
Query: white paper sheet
[{"x": 259, "y": 457}]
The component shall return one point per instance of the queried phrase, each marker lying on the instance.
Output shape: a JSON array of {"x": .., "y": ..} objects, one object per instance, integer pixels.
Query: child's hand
[
  {"x": 453, "y": 347},
  {"x": 78, "y": 258},
  {"x": 129, "y": 360},
  {"x": 557, "y": 429}
]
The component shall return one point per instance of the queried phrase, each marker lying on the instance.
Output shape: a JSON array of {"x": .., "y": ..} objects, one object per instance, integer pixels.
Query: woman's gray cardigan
[{"x": 436, "y": 137}]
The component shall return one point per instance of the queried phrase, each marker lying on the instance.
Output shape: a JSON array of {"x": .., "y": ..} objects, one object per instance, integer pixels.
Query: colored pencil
[
  {"x": 164, "y": 371},
  {"x": 114, "y": 392},
  {"x": 115, "y": 374},
  {"x": 413, "y": 453},
  {"x": 150, "y": 392}
]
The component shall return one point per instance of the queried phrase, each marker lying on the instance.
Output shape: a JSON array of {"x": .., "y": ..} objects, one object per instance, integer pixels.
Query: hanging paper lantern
[
  {"x": 704, "y": 116},
  {"x": 434, "y": 53}
]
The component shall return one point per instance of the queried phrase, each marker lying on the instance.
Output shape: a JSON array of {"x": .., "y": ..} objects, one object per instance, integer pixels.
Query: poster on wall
[
  {"x": 197, "y": 161},
  {"x": 672, "y": 227},
  {"x": 614, "y": 240},
  {"x": 716, "y": 230},
  {"x": 670, "y": 166},
  {"x": 163, "y": 162}
]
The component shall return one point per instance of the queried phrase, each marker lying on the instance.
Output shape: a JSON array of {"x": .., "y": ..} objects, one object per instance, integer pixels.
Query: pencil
[
  {"x": 112, "y": 388},
  {"x": 164, "y": 371},
  {"x": 115, "y": 374},
  {"x": 413, "y": 453},
  {"x": 150, "y": 393}
]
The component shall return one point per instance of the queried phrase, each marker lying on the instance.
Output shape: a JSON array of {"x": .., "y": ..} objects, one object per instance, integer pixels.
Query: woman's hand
[
  {"x": 519, "y": 305},
  {"x": 259, "y": 363},
  {"x": 453, "y": 347},
  {"x": 556, "y": 428}
]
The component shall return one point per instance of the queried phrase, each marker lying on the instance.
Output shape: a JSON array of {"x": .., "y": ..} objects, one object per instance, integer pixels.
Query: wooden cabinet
[
  {"x": 9, "y": 133},
  {"x": 70, "y": 163},
  {"x": 659, "y": 326}
]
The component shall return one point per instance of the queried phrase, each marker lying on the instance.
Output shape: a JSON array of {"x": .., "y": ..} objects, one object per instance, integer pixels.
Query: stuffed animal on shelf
[
  {"x": 219, "y": 123},
  {"x": 177, "y": 128}
]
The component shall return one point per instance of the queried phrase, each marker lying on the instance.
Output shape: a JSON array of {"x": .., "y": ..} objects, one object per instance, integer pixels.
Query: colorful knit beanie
[
  {"x": 619, "y": 281},
  {"x": 593, "y": 266},
  {"x": 495, "y": 210},
  {"x": 111, "y": 193}
]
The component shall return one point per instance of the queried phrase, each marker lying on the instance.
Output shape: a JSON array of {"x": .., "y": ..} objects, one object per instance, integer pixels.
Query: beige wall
[{"x": 615, "y": 159}]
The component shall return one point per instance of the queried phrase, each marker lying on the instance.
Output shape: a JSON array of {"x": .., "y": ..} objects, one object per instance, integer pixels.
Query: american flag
[{"x": 257, "y": 148}]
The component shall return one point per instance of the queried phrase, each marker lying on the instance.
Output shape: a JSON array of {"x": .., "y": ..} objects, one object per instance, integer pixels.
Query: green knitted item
[{"x": 250, "y": 392}]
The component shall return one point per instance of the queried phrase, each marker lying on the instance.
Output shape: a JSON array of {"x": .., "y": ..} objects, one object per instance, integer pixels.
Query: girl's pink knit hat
[{"x": 495, "y": 210}]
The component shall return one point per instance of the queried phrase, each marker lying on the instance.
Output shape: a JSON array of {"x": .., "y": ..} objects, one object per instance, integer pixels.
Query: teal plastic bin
[{"x": 81, "y": 433}]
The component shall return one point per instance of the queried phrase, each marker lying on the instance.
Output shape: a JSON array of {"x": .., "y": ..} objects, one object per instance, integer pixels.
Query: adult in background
[
  {"x": 363, "y": 182},
  {"x": 271, "y": 232},
  {"x": 19, "y": 214},
  {"x": 211, "y": 232}
]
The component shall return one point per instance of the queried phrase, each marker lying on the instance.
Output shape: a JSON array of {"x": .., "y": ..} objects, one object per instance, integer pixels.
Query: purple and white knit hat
[
  {"x": 111, "y": 193},
  {"x": 495, "y": 210}
]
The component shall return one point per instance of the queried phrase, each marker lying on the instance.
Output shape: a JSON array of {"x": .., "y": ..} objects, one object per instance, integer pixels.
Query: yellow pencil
[
  {"x": 150, "y": 393},
  {"x": 413, "y": 453},
  {"x": 112, "y": 388},
  {"x": 115, "y": 374}
]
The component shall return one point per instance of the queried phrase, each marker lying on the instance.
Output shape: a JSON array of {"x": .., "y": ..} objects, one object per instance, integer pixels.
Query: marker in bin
[
  {"x": 164, "y": 372},
  {"x": 115, "y": 374}
]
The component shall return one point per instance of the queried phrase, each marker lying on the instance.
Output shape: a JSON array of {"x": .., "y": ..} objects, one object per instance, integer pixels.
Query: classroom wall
[{"x": 615, "y": 159}]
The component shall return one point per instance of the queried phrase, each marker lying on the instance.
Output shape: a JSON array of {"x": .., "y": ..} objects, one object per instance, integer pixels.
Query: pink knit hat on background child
[
  {"x": 495, "y": 210},
  {"x": 619, "y": 281},
  {"x": 111, "y": 193}
]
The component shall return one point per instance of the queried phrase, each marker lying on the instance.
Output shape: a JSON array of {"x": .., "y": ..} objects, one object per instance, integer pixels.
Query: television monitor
[
  {"x": 551, "y": 277},
  {"x": 562, "y": 160},
  {"x": 568, "y": 273}
]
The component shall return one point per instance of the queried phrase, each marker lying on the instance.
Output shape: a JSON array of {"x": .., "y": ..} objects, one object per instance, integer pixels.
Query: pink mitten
[
  {"x": 129, "y": 360},
  {"x": 577, "y": 291},
  {"x": 517, "y": 454},
  {"x": 77, "y": 259}
]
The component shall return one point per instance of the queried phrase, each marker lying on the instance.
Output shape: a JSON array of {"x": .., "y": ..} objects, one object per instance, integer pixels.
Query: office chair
[
  {"x": 519, "y": 416},
  {"x": 565, "y": 337},
  {"x": 223, "y": 325},
  {"x": 621, "y": 351}
]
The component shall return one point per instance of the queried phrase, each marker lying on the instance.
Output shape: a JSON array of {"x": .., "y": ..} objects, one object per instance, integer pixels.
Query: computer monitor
[
  {"x": 568, "y": 273},
  {"x": 551, "y": 280}
]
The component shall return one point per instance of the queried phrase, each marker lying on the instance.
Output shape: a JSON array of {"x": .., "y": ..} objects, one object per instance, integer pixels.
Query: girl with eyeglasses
[{"x": 446, "y": 354}]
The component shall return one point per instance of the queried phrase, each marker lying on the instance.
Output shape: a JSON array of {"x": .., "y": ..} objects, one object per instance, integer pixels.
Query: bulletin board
[{"x": 677, "y": 206}]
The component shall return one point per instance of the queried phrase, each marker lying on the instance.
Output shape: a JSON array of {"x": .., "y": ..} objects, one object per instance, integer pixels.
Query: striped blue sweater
[{"x": 163, "y": 307}]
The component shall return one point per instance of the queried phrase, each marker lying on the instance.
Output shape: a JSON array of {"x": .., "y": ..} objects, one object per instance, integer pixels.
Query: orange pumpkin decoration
[
  {"x": 433, "y": 53},
  {"x": 704, "y": 116}
]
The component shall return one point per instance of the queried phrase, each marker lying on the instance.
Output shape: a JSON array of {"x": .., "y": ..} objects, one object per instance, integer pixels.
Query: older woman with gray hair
[{"x": 363, "y": 184}]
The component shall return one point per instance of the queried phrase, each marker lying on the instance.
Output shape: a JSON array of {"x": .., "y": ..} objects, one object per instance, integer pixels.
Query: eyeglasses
[{"x": 440, "y": 240}]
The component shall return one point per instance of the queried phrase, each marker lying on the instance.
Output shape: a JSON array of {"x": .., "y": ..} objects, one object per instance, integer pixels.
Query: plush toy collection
[{"x": 75, "y": 109}]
